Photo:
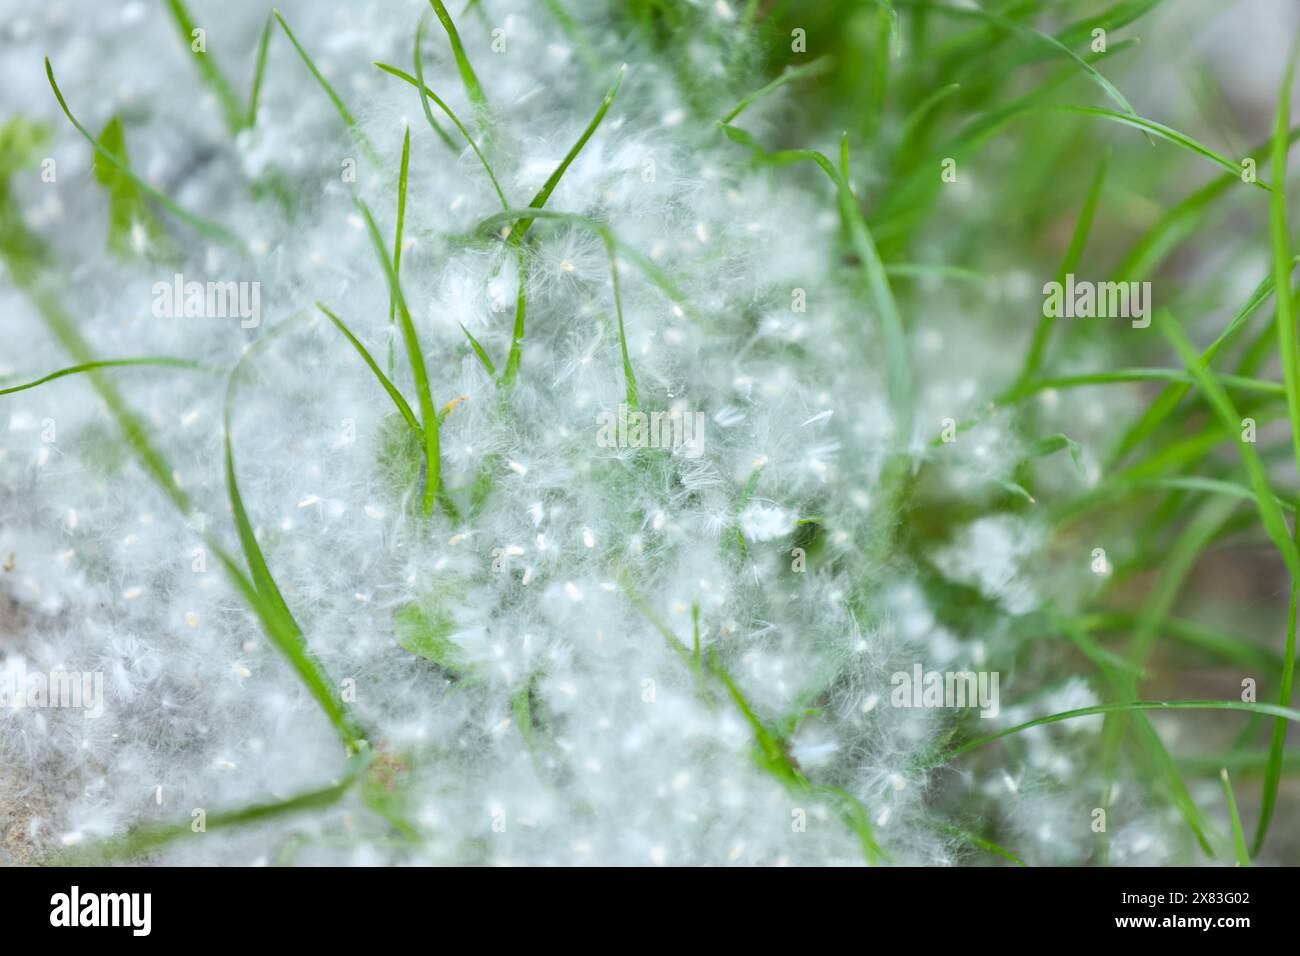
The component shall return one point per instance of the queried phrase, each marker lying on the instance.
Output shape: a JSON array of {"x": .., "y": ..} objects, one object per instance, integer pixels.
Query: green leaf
[
  {"x": 127, "y": 210},
  {"x": 23, "y": 143}
]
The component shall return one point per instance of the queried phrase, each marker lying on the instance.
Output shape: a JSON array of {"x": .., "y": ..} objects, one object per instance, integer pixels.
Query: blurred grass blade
[
  {"x": 791, "y": 73},
  {"x": 212, "y": 75},
  {"x": 516, "y": 354},
  {"x": 210, "y": 229},
  {"x": 1029, "y": 32},
  {"x": 1167, "y": 133},
  {"x": 1238, "y": 838},
  {"x": 1073, "y": 255},
  {"x": 1169, "y": 398},
  {"x": 1280, "y": 235},
  {"x": 259, "y": 71},
  {"x": 979, "y": 841},
  {"x": 1270, "y": 513}
]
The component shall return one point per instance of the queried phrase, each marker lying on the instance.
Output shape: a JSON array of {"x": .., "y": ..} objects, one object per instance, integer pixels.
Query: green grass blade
[
  {"x": 1270, "y": 513},
  {"x": 791, "y": 73},
  {"x": 1280, "y": 235},
  {"x": 259, "y": 71},
  {"x": 855, "y": 815},
  {"x": 517, "y": 233},
  {"x": 133, "y": 429},
  {"x": 427, "y": 94},
  {"x": 543, "y": 194},
  {"x": 873, "y": 270},
  {"x": 1228, "y": 648},
  {"x": 428, "y": 410},
  {"x": 264, "y": 597},
  {"x": 417, "y": 60},
  {"x": 1073, "y": 255},
  {"x": 210, "y": 229},
  {"x": 1120, "y": 376},
  {"x": 397, "y": 238},
  {"x": 979, "y": 841},
  {"x": 389, "y": 387},
  {"x": 208, "y": 68},
  {"x": 1037, "y": 36},
  {"x": 1167, "y": 133},
  {"x": 480, "y": 352},
  {"x": 348, "y": 119},
  {"x": 1238, "y": 838},
  {"x": 516, "y": 354},
  {"x": 629, "y": 377},
  {"x": 1129, "y": 707},
  {"x": 1280, "y": 238},
  {"x": 1277, "y": 743},
  {"x": 771, "y": 750},
  {"x": 162, "y": 361},
  {"x": 1120, "y": 15},
  {"x": 473, "y": 88},
  {"x": 1169, "y": 398},
  {"x": 127, "y": 209},
  {"x": 147, "y": 839},
  {"x": 656, "y": 275},
  {"x": 922, "y": 112}
]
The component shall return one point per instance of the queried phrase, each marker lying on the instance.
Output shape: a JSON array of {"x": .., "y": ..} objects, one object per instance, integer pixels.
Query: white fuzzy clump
[{"x": 625, "y": 760}]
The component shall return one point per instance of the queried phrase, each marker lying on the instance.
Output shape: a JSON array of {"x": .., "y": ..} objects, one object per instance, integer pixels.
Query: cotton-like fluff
[{"x": 527, "y": 668}]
